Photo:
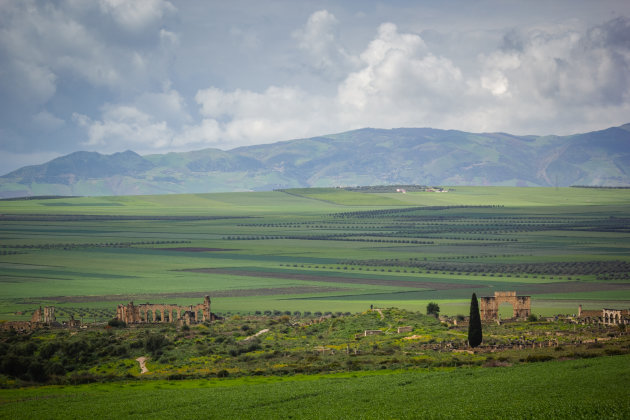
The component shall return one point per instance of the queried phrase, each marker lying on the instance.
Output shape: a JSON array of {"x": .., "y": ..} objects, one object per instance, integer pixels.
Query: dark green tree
[
  {"x": 475, "y": 334},
  {"x": 433, "y": 309}
]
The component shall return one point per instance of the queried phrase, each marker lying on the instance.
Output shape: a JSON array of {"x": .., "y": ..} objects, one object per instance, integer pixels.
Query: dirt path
[
  {"x": 261, "y": 332},
  {"x": 380, "y": 311},
  {"x": 143, "y": 367}
]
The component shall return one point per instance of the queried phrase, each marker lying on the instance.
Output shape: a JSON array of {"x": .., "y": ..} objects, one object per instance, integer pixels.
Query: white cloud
[
  {"x": 401, "y": 82},
  {"x": 168, "y": 105},
  {"x": 205, "y": 134},
  {"x": 400, "y": 78},
  {"x": 318, "y": 39},
  {"x": 246, "y": 117},
  {"x": 552, "y": 77},
  {"x": 42, "y": 44},
  {"x": 124, "y": 127},
  {"x": 540, "y": 81},
  {"x": 134, "y": 15}
]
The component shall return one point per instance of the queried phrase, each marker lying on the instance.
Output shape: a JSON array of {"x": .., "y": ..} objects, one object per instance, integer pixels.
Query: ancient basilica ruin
[{"x": 145, "y": 313}]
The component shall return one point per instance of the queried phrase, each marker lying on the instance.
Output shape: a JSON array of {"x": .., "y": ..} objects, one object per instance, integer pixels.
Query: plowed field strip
[
  {"x": 338, "y": 279},
  {"x": 572, "y": 287},
  {"x": 270, "y": 291}
]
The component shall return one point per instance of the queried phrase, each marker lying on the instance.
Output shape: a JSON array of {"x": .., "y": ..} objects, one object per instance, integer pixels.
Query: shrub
[
  {"x": 15, "y": 366},
  {"x": 37, "y": 372},
  {"x": 433, "y": 309},
  {"x": 116, "y": 323},
  {"x": 48, "y": 350},
  {"x": 538, "y": 358},
  {"x": 55, "y": 368},
  {"x": 155, "y": 342}
]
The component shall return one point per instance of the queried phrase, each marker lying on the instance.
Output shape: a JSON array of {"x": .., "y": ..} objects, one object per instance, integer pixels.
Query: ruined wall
[
  {"x": 165, "y": 313},
  {"x": 616, "y": 316},
  {"x": 46, "y": 315},
  {"x": 489, "y": 308}
]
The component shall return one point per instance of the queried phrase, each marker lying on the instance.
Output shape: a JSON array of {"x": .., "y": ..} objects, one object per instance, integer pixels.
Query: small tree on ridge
[{"x": 433, "y": 309}]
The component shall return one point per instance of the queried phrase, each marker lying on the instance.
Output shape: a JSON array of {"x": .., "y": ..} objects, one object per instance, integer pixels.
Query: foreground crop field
[
  {"x": 581, "y": 389},
  {"x": 316, "y": 250}
]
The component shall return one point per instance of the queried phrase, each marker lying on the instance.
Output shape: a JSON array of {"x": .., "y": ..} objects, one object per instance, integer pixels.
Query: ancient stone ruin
[
  {"x": 616, "y": 316},
  {"x": 489, "y": 309},
  {"x": 604, "y": 316},
  {"x": 41, "y": 317},
  {"x": 145, "y": 313},
  {"x": 45, "y": 316}
]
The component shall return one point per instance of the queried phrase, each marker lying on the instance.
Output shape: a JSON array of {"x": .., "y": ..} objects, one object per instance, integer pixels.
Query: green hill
[{"x": 361, "y": 157}]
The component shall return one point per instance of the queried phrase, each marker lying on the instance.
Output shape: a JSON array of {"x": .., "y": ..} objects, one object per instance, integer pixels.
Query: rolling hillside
[{"x": 361, "y": 157}]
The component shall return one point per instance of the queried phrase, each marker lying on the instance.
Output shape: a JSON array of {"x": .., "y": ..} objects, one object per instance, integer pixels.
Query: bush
[
  {"x": 55, "y": 368},
  {"x": 48, "y": 350},
  {"x": 538, "y": 358},
  {"x": 154, "y": 343},
  {"x": 223, "y": 373},
  {"x": 532, "y": 318},
  {"x": 433, "y": 309},
  {"x": 37, "y": 372},
  {"x": 116, "y": 323},
  {"x": 15, "y": 366}
]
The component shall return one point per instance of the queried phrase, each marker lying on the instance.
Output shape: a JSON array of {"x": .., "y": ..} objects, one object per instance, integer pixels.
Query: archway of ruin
[
  {"x": 505, "y": 310},
  {"x": 151, "y": 313},
  {"x": 489, "y": 308}
]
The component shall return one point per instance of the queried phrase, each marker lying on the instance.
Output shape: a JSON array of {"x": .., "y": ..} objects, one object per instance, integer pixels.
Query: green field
[
  {"x": 306, "y": 266},
  {"x": 317, "y": 250},
  {"x": 581, "y": 389}
]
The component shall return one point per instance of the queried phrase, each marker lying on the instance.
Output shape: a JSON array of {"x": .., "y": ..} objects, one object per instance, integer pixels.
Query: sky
[{"x": 156, "y": 76}]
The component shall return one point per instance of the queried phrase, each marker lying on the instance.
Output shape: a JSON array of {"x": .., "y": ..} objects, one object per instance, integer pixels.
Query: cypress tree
[{"x": 474, "y": 326}]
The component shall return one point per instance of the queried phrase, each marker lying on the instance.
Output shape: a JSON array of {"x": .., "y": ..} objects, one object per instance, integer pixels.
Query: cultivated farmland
[
  {"x": 294, "y": 275},
  {"x": 320, "y": 250}
]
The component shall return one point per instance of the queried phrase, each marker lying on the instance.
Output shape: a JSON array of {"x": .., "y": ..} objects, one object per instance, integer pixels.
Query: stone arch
[
  {"x": 165, "y": 317},
  {"x": 489, "y": 308}
]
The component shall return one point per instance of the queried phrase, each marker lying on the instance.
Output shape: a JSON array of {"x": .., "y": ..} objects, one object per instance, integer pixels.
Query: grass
[
  {"x": 67, "y": 249},
  {"x": 319, "y": 250},
  {"x": 581, "y": 389}
]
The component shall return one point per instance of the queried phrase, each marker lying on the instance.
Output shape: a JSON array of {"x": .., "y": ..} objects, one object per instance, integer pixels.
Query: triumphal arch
[{"x": 490, "y": 305}]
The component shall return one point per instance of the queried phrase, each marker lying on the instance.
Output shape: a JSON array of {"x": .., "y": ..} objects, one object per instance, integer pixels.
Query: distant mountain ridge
[{"x": 361, "y": 157}]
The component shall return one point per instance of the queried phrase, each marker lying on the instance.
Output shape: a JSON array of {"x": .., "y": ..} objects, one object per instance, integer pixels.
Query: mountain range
[{"x": 367, "y": 156}]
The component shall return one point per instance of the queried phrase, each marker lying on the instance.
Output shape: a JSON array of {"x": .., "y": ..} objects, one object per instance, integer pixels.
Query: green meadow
[
  {"x": 579, "y": 389},
  {"x": 316, "y": 249}
]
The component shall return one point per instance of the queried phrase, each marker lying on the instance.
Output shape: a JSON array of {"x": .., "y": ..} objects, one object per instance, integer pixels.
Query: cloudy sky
[{"x": 156, "y": 75}]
